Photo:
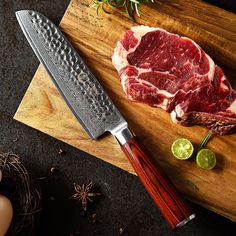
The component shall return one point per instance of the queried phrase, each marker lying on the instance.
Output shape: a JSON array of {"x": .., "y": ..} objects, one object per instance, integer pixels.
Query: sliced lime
[
  {"x": 206, "y": 159},
  {"x": 182, "y": 148}
]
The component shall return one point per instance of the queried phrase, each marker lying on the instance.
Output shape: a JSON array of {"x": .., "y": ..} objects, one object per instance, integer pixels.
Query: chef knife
[{"x": 95, "y": 110}]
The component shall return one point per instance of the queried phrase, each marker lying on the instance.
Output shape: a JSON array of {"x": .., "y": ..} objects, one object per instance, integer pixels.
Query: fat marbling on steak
[{"x": 172, "y": 72}]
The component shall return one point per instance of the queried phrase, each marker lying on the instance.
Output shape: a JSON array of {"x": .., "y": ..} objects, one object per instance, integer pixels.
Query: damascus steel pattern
[{"x": 83, "y": 93}]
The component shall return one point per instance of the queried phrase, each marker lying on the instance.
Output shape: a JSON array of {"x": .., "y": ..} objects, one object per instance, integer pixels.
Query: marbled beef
[{"x": 172, "y": 72}]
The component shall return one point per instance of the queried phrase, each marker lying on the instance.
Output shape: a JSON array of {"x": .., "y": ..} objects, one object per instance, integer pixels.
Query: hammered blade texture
[{"x": 83, "y": 93}]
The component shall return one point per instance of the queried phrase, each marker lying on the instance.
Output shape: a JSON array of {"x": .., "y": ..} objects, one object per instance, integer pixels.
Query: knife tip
[{"x": 20, "y": 13}]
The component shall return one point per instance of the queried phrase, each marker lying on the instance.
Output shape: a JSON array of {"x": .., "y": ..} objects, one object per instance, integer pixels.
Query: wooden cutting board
[{"x": 95, "y": 38}]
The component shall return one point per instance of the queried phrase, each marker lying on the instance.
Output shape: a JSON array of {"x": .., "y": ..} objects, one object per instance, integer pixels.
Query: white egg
[{"x": 6, "y": 214}]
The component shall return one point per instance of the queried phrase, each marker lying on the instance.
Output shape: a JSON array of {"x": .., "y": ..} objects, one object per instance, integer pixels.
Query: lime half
[
  {"x": 182, "y": 148},
  {"x": 206, "y": 159}
]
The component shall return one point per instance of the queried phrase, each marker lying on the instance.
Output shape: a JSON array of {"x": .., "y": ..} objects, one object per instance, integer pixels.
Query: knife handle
[{"x": 164, "y": 194}]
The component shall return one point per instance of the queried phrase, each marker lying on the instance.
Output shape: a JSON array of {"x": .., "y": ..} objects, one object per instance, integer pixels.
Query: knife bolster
[{"x": 122, "y": 133}]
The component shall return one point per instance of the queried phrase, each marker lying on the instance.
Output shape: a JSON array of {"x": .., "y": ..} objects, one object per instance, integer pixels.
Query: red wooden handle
[{"x": 158, "y": 186}]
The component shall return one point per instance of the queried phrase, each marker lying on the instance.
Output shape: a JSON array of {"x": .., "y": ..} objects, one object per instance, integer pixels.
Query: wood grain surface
[{"x": 95, "y": 38}]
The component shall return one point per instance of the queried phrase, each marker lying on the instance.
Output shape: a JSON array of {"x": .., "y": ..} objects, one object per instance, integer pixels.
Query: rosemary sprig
[
  {"x": 131, "y": 6},
  {"x": 205, "y": 140}
]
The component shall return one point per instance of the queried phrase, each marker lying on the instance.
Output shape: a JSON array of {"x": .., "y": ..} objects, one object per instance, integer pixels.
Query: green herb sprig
[
  {"x": 205, "y": 140},
  {"x": 131, "y": 6}
]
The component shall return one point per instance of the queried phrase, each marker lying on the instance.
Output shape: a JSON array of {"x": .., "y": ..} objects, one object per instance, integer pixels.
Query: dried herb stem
[
  {"x": 131, "y": 6},
  {"x": 23, "y": 192},
  {"x": 205, "y": 140}
]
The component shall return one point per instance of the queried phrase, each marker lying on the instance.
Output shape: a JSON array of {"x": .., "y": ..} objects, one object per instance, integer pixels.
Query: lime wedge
[
  {"x": 206, "y": 159},
  {"x": 182, "y": 148}
]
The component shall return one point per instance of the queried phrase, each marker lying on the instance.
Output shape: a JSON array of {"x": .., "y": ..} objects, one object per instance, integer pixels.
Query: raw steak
[{"x": 174, "y": 73}]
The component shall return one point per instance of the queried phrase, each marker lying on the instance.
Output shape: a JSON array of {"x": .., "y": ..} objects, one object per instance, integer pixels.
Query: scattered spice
[
  {"x": 94, "y": 218},
  {"x": 61, "y": 152},
  {"x": 17, "y": 137},
  {"x": 122, "y": 230},
  {"x": 53, "y": 170},
  {"x": 15, "y": 140},
  {"x": 82, "y": 194}
]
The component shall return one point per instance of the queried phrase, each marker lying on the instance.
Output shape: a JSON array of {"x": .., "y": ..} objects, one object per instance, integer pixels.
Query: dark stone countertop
[{"x": 124, "y": 202}]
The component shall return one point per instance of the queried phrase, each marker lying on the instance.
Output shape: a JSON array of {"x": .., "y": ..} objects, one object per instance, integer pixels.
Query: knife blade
[{"x": 95, "y": 110}]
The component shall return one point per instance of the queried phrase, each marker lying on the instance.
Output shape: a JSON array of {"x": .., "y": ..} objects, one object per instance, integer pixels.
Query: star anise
[{"x": 82, "y": 194}]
